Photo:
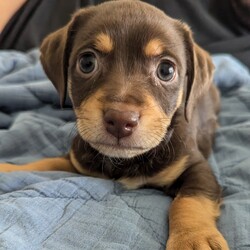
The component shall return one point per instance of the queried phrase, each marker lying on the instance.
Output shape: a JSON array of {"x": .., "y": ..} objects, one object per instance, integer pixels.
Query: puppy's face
[
  {"x": 126, "y": 78},
  {"x": 126, "y": 68}
]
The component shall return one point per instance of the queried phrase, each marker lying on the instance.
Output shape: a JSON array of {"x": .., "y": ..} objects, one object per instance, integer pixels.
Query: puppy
[{"x": 142, "y": 92}]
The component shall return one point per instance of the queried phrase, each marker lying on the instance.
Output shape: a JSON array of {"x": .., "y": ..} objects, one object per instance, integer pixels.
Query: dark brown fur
[{"x": 125, "y": 81}]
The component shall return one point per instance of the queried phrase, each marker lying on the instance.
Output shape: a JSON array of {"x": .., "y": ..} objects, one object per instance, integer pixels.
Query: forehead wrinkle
[{"x": 103, "y": 42}]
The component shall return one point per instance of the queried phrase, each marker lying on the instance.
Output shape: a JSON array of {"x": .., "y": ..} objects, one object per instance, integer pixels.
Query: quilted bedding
[{"x": 59, "y": 210}]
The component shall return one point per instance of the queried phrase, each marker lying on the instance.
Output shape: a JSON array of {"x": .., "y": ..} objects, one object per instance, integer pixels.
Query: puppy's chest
[
  {"x": 162, "y": 179},
  {"x": 151, "y": 170}
]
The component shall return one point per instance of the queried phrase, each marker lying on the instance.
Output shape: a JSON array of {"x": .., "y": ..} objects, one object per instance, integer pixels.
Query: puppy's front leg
[
  {"x": 48, "y": 164},
  {"x": 193, "y": 213}
]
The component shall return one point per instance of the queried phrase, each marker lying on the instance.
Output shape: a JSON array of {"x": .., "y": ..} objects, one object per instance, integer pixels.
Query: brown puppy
[{"x": 146, "y": 110}]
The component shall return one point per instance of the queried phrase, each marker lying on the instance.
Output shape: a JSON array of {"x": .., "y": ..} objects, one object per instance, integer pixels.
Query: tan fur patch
[
  {"x": 192, "y": 224},
  {"x": 90, "y": 110},
  {"x": 103, "y": 43},
  {"x": 192, "y": 211},
  {"x": 154, "y": 47},
  {"x": 164, "y": 178},
  {"x": 49, "y": 164},
  {"x": 170, "y": 174}
]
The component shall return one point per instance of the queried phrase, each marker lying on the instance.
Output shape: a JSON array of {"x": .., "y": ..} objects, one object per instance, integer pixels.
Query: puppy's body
[{"x": 146, "y": 110}]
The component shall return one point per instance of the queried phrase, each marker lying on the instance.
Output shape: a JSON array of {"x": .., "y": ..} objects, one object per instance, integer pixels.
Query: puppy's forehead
[{"x": 128, "y": 25}]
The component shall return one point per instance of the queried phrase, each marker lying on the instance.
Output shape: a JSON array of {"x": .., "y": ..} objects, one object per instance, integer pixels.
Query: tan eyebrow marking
[
  {"x": 103, "y": 43},
  {"x": 154, "y": 47}
]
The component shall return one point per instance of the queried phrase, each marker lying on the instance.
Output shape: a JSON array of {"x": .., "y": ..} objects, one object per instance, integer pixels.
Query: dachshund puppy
[{"x": 142, "y": 92}]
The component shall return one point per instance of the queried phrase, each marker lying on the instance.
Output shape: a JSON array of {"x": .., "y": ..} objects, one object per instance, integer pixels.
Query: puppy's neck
[{"x": 147, "y": 164}]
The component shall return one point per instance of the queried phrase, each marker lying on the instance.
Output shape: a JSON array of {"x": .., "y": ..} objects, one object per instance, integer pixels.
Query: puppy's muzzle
[{"x": 121, "y": 123}]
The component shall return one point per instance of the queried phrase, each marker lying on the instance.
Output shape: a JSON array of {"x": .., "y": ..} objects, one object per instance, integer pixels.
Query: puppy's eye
[
  {"x": 87, "y": 62},
  {"x": 165, "y": 71}
]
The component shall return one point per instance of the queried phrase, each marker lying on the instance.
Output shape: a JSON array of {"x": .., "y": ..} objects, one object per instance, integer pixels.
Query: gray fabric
[{"x": 57, "y": 210}]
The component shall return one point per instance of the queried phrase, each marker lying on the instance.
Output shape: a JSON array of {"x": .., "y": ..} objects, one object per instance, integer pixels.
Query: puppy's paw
[{"x": 204, "y": 239}]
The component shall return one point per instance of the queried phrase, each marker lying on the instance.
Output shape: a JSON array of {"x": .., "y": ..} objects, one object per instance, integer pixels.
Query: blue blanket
[{"x": 59, "y": 210}]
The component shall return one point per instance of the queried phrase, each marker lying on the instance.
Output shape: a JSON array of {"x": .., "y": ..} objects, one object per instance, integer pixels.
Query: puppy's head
[{"x": 127, "y": 68}]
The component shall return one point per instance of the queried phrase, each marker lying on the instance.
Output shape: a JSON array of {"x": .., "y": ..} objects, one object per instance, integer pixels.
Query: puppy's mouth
[
  {"x": 118, "y": 146},
  {"x": 118, "y": 150},
  {"x": 121, "y": 150}
]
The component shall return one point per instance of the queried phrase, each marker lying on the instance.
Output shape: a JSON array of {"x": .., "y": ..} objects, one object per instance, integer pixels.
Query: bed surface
[{"x": 59, "y": 210}]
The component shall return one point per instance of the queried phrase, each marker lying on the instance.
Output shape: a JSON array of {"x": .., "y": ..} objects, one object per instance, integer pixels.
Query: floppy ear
[
  {"x": 55, "y": 52},
  {"x": 200, "y": 70}
]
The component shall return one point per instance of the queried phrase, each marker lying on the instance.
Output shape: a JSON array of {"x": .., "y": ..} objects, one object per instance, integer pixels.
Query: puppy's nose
[{"x": 120, "y": 123}]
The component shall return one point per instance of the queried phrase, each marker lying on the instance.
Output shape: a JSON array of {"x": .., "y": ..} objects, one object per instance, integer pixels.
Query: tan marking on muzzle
[{"x": 149, "y": 133}]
